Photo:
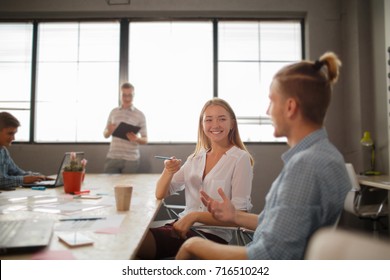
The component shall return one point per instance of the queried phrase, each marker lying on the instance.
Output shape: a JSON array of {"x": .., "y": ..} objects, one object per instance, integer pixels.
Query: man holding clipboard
[{"x": 127, "y": 126}]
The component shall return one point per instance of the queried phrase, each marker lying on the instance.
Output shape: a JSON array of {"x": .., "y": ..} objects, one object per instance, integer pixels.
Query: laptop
[
  {"x": 58, "y": 180},
  {"x": 25, "y": 236}
]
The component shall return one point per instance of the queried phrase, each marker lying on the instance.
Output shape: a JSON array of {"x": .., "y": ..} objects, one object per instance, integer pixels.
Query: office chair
[
  {"x": 356, "y": 205},
  {"x": 336, "y": 244}
]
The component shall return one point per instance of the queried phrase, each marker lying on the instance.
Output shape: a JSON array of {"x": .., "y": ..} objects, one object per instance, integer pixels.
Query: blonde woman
[{"x": 220, "y": 160}]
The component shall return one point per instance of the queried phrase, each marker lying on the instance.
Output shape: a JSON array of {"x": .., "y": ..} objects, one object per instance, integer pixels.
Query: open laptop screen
[{"x": 58, "y": 177}]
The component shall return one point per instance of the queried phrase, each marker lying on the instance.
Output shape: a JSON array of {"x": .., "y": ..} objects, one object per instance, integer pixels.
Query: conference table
[
  {"x": 120, "y": 240},
  {"x": 380, "y": 182}
]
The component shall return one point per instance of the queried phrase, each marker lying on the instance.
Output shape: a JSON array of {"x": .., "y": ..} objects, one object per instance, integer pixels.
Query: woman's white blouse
[{"x": 233, "y": 173}]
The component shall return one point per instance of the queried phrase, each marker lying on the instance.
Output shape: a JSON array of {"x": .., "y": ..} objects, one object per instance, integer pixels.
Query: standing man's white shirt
[{"x": 124, "y": 149}]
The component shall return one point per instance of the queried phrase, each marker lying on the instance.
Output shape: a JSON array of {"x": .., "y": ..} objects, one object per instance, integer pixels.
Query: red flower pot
[{"x": 72, "y": 181}]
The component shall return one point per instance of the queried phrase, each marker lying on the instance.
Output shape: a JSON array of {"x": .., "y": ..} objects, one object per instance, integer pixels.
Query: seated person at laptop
[{"x": 11, "y": 175}]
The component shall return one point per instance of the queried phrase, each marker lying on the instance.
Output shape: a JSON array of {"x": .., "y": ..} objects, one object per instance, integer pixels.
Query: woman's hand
[
  {"x": 183, "y": 225},
  {"x": 172, "y": 165}
]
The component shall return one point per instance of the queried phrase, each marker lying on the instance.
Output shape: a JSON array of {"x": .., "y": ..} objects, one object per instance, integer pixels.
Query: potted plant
[{"x": 73, "y": 174}]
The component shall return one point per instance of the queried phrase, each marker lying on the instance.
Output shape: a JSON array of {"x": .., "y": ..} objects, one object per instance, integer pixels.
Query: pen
[
  {"x": 38, "y": 188},
  {"x": 164, "y": 158},
  {"x": 82, "y": 219}
]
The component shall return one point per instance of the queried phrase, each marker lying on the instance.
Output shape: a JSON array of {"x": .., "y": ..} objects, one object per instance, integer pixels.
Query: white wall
[{"x": 379, "y": 78}]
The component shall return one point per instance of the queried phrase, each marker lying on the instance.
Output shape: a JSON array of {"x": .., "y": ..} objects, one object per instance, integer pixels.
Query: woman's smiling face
[{"x": 217, "y": 123}]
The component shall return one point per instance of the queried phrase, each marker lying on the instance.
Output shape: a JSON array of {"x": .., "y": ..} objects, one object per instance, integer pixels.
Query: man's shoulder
[
  {"x": 4, "y": 155},
  {"x": 320, "y": 156},
  {"x": 3, "y": 150},
  {"x": 115, "y": 110},
  {"x": 138, "y": 113},
  {"x": 324, "y": 150},
  {"x": 135, "y": 109}
]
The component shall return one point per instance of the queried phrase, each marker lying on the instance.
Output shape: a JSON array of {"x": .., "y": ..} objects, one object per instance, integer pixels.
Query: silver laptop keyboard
[{"x": 9, "y": 229}]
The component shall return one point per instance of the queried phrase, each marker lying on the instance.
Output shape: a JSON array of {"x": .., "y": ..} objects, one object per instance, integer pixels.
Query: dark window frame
[{"x": 124, "y": 54}]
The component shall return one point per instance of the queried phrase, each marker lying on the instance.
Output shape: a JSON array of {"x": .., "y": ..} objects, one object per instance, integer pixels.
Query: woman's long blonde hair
[{"x": 234, "y": 135}]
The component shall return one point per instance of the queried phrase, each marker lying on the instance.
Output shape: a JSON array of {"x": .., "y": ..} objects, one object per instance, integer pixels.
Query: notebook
[
  {"x": 123, "y": 128},
  {"x": 25, "y": 236},
  {"x": 58, "y": 178}
]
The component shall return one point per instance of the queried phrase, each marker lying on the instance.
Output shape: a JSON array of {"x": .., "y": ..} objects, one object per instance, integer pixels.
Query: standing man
[
  {"x": 123, "y": 155},
  {"x": 309, "y": 192},
  {"x": 11, "y": 175}
]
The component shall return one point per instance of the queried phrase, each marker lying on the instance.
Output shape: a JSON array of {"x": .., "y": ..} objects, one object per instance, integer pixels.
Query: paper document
[{"x": 74, "y": 239}]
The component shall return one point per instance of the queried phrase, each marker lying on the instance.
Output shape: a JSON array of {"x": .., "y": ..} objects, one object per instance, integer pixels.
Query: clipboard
[{"x": 123, "y": 129}]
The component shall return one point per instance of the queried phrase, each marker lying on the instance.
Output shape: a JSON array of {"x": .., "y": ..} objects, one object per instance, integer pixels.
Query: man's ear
[{"x": 291, "y": 107}]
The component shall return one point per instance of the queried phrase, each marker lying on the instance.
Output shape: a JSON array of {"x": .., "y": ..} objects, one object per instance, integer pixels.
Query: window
[
  {"x": 249, "y": 54},
  {"x": 171, "y": 68},
  {"x": 170, "y": 65},
  {"x": 77, "y": 80},
  {"x": 175, "y": 67},
  {"x": 15, "y": 73}
]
